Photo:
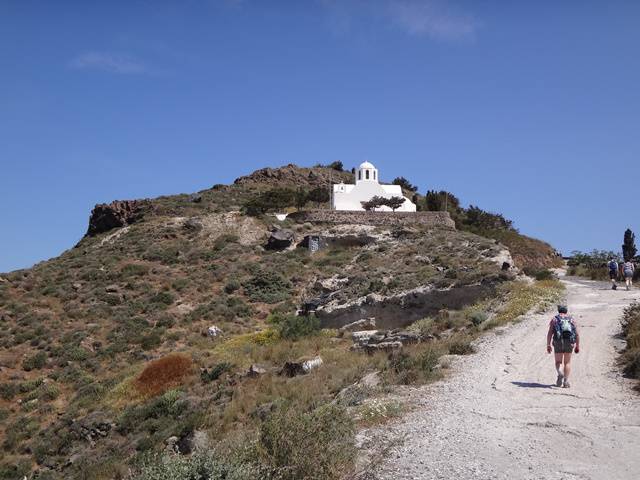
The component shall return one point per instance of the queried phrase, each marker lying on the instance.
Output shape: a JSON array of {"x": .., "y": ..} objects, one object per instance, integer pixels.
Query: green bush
[
  {"x": 199, "y": 466},
  {"x": 31, "y": 385},
  {"x": 267, "y": 287},
  {"x": 134, "y": 270},
  {"x": 166, "y": 255},
  {"x": 8, "y": 390},
  {"x": 403, "y": 368},
  {"x": 20, "y": 429},
  {"x": 413, "y": 365},
  {"x": 540, "y": 275},
  {"x": 35, "y": 362},
  {"x": 316, "y": 445},
  {"x": 478, "y": 318},
  {"x": 461, "y": 346},
  {"x": 631, "y": 331},
  {"x": 170, "y": 404},
  {"x": 12, "y": 470},
  {"x": 76, "y": 354},
  {"x": 290, "y": 326},
  {"x": 275, "y": 199},
  {"x": 163, "y": 298},
  {"x": 232, "y": 285},
  {"x": 180, "y": 284},
  {"x": 212, "y": 375}
]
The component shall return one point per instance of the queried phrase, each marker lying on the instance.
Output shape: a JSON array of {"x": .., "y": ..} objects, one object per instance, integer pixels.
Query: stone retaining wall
[{"x": 436, "y": 219}]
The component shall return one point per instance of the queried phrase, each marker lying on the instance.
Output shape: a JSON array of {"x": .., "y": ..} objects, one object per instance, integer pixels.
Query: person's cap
[{"x": 563, "y": 309}]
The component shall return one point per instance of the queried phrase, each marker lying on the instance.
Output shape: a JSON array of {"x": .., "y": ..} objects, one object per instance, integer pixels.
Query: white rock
[
  {"x": 214, "y": 331},
  {"x": 359, "y": 325},
  {"x": 363, "y": 336},
  {"x": 309, "y": 365}
]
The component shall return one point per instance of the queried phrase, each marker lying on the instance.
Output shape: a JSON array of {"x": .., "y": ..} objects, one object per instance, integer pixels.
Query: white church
[{"x": 350, "y": 196}]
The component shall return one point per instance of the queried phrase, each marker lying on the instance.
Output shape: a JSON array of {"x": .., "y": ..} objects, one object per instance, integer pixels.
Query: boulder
[
  {"x": 280, "y": 239},
  {"x": 300, "y": 367},
  {"x": 191, "y": 442},
  {"x": 119, "y": 213},
  {"x": 311, "y": 364},
  {"x": 383, "y": 346},
  {"x": 214, "y": 331},
  {"x": 332, "y": 284},
  {"x": 263, "y": 411},
  {"x": 256, "y": 370},
  {"x": 93, "y": 427},
  {"x": 192, "y": 225},
  {"x": 364, "y": 336},
  {"x": 372, "y": 340},
  {"x": 404, "y": 336},
  {"x": 370, "y": 380}
]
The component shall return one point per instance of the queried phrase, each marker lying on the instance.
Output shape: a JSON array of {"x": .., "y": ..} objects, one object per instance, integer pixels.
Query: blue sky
[{"x": 531, "y": 109}]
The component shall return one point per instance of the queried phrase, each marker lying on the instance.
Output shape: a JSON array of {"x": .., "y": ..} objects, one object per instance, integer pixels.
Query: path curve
[{"x": 496, "y": 416}]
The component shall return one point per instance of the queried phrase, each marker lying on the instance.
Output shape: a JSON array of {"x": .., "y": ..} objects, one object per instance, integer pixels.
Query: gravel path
[{"x": 498, "y": 416}]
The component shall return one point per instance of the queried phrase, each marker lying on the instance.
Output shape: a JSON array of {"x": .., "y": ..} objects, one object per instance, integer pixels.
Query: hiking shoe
[
  {"x": 566, "y": 384},
  {"x": 559, "y": 380}
]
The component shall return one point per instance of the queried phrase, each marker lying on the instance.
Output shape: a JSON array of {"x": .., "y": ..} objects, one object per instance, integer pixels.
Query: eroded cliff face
[{"x": 402, "y": 309}]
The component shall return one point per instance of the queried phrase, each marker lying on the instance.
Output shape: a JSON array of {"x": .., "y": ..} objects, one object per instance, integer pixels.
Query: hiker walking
[
  {"x": 613, "y": 272},
  {"x": 628, "y": 270},
  {"x": 563, "y": 335}
]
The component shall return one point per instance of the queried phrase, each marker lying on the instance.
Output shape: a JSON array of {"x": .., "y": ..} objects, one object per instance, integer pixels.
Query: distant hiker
[
  {"x": 613, "y": 272},
  {"x": 563, "y": 332},
  {"x": 628, "y": 269}
]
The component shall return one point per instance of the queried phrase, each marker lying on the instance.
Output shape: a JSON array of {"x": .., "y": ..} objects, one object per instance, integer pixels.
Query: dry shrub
[{"x": 162, "y": 374}]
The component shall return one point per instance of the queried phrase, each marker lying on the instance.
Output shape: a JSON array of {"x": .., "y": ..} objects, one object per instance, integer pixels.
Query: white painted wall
[{"x": 349, "y": 197}]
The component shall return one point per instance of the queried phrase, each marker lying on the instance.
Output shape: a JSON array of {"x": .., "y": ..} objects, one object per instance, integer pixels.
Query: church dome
[{"x": 366, "y": 172}]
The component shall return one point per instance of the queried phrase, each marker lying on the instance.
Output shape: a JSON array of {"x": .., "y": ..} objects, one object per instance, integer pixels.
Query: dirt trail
[{"x": 497, "y": 415}]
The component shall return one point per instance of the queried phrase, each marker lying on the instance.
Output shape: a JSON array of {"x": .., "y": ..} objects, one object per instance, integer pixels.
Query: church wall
[{"x": 364, "y": 191}]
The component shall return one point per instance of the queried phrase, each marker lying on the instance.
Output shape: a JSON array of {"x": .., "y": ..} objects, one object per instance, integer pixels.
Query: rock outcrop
[
  {"x": 119, "y": 213},
  {"x": 376, "y": 340},
  {"x": 294, "y": 176},
  {"x": 280, "y": 239}
]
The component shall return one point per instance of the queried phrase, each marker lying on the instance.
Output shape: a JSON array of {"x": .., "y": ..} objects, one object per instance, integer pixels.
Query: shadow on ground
[{"x": 532, "y": 385}]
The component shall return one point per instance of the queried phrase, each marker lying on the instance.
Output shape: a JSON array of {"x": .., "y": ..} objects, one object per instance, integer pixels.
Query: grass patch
[
  {"x": 522, "y": 298},
  {"x": 315, "y": 445}
]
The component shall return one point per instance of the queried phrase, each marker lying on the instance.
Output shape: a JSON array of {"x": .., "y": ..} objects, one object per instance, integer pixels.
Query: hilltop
[{"x": 172, "y": 326}]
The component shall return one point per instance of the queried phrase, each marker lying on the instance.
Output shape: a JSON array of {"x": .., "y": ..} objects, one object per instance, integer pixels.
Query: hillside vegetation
[
  {"x": 631, "y": 333},
  {"x": 110, "y": 365}
]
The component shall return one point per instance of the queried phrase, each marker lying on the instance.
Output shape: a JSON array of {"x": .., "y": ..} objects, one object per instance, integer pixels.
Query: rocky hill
[{"x": 173, "y": 327}]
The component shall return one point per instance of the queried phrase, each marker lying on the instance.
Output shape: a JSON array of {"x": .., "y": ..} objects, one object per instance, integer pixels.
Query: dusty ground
[{"x": 498, "y": 415}]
